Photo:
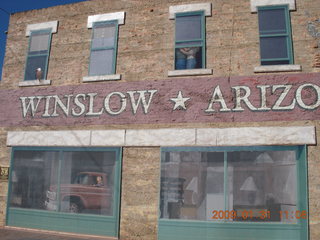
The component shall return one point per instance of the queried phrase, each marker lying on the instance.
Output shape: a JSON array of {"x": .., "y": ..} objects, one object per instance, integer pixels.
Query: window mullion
[
  {"x": 225, "y": 183},
  {"x": 59, "y": 181}
]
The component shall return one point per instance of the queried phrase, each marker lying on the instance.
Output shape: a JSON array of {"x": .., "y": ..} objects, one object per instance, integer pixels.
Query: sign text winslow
[{"x": 257, "y": 98}]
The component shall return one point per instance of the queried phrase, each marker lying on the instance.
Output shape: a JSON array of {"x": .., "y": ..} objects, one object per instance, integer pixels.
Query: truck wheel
[{"x": 74, "y": 207}]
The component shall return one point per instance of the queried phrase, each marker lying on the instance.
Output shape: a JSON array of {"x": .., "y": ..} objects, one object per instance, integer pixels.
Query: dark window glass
[
  {"x": 272, "y": 21},
  {"x": 33, "y": 63},
  {"x": 273, "y": 47},
  {"x": 188, "y": 27},
  {"x": 275, "y": 62},
  {"x": 275, "y": 36}
]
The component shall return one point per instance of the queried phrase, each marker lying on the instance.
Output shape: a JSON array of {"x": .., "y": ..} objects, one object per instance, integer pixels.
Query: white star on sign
[{"x": 179, "y": 101}]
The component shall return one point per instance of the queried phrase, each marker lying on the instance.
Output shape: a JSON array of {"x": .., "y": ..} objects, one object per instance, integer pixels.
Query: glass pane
[
  {"x": 188, "y": 58},
  {"x": 273, "y": 47},
  {"x": 39, "y": 43},
  {"x": 103, "y": 36},
  {"x": 188, "y": 27},
  {"x": 101, "y": 62},
  {"x": 33, "y": 179},
  {"x": 191, "y": 185},
  {"x": 279, "y": 62},
  {"x": 272, "y": 21},
  {"x": 33, "y": 63},
  {"x": 263, "y": 185},
  {"x": 87, "y": 182},
  {"x": 193, "y": 43}
]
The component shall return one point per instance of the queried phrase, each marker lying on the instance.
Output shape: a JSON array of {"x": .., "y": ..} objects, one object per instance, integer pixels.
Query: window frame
[
  {"x": 202, "y": 40},
  {"x": 30, "y": 55},
  {"x": 115, "y": 45},
  {"x": 68, "y": 222},
  {"x": 288, "y": 36},
  {"x": 179, "y": 229}
]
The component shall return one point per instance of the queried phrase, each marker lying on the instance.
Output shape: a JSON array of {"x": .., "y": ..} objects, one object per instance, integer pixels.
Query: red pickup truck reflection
[{"x": 88, "y": 193}]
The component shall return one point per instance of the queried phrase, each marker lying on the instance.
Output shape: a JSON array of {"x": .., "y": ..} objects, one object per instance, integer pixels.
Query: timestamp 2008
[{"x": 262, "y": 214}]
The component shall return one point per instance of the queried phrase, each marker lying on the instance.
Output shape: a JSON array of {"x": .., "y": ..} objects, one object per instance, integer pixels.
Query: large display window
[
  {"x": 67, "y": 189},
  {"x": 206, "y": 193}
]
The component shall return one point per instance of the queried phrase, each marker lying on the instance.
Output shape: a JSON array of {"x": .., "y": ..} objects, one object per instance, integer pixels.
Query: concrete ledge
[
  {"x": 254, "y": 4},
  {"x": 30, "y": 83},
  {"x": 161, "y": 137},
  {"x": 190, "y": 72},
  {"x": 119, "y": 16},
  {"x": 108, "y": 138},
  {"x": 101, "y": 78},
  {"x": 206, "y": 7},
  {"x": 40, "y": 26},
  {"x": 49, "y": 138},
  {"x": 278, "y": 68},
  {"x": 245, "y": 136},
  {"x": 255, "y": 136}
]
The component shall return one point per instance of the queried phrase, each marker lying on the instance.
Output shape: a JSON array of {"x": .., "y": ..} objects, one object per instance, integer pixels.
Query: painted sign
[{"x": 235, "y": 99}]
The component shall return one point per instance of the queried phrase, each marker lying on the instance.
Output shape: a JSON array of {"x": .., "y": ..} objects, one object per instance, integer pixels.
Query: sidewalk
[{"x": 11, "y": 233}]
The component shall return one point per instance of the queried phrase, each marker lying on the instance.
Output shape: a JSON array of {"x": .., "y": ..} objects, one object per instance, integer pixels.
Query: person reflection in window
[
  {"x": 190, "y": 53},
  {"x": 99, "y": 182}
]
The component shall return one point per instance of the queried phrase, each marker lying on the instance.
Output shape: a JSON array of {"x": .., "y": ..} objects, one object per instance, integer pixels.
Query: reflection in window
[
  {"x": 73, "y": 182},
  {"x": 189, "y": 41},
  {"x": 247, "y": 185}
]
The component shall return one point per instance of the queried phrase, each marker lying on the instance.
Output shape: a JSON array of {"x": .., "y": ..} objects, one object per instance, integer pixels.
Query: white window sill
[
  {"x": 30, "y": 83},
  {"x": 101, "y": 78},
  {"x": 278, "y": 68},
  {"x": 189, "y": 72}
]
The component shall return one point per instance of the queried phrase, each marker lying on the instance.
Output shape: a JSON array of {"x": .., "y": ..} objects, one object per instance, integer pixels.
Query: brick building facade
[{"x": 177, "y": 145}]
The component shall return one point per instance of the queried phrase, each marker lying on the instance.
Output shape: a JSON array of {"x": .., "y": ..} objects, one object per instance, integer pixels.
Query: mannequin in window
[
  {"x": 99, "y": 182},
  {"x": 181, "y": 59},
  {"x": 190, "y": 53}
]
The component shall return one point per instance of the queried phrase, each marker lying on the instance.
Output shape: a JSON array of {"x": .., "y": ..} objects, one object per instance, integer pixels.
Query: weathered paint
[{"x": 235, "y": 99}]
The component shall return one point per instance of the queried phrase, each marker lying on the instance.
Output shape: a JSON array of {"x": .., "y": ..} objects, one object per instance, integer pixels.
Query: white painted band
[{"x": 244, "y": 136}]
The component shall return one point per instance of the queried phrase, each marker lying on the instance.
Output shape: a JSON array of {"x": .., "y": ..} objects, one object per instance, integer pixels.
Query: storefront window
[
  {"x": 78, "y": 182},
  {"x": 33, "y": 174},
  {"x": 234, "y": 190},
  {"x": 253, "y": 186}
]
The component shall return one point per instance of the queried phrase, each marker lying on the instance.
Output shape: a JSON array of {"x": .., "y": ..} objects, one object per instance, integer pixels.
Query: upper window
[
  {"x": 190, "y": 40},
  {"x": 38, "y": 55},
  {"x": 102, "y": 63},
  {"x": 39, "y": 49},
  {"x": 275, "y": 35},
  {"x": 103, "y": 48}
]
